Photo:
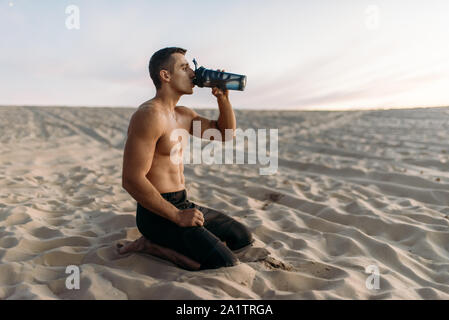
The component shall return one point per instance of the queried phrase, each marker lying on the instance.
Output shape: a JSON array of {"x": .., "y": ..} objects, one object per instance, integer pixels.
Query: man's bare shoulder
[
  {"x": 184, "y": 111},
  {"x": 149, "y": 118},
  {"x": 151, "y": 109}
]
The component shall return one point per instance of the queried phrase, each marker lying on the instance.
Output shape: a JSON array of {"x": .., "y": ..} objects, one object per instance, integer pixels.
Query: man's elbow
[
  {"x": 228, "y": 135},
  {"x": 124, "y": 184},
  {"x": 127, "y": 183}
]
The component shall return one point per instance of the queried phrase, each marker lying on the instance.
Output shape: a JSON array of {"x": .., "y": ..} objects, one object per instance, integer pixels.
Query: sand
[{"x": 352, "y": 190}]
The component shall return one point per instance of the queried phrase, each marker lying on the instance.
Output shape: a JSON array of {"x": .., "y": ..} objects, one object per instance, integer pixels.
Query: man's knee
[
  {"x": 219, "y": 258},
  {"x": 241, "y": 236}
]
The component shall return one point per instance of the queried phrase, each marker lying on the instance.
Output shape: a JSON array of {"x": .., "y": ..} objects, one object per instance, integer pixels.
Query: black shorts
[{"x": 202, "y": 244}]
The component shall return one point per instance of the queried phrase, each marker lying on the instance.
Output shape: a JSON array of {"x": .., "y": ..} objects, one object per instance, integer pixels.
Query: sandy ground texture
[{"x": 352, "y": 190}]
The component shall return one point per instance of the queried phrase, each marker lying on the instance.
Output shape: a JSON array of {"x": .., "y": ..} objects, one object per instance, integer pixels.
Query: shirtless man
[{"x": 174, "y": 228}]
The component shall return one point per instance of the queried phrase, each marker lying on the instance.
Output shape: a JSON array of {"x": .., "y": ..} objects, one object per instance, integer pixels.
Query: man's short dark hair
[{"x": 161, "y": 60}]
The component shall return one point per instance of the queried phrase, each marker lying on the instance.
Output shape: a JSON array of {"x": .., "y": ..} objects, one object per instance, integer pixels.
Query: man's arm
[
  {"x": 145, "y": 129},
  {"x": 226, "y": 119}
]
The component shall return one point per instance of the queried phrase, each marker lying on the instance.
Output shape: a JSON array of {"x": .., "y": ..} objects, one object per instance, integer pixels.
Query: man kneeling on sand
[{"x": 174, "y": 228}]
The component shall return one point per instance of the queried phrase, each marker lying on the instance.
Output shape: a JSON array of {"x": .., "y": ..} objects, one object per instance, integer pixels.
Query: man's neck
[{"x": 167, "y": 99}]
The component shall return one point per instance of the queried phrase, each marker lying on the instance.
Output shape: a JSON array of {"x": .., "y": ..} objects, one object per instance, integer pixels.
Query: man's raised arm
[{"x": 226, "y": 119}]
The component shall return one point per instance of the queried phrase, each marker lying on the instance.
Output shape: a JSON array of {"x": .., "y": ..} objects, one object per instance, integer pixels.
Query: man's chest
[{"x": 177, "y": 131}]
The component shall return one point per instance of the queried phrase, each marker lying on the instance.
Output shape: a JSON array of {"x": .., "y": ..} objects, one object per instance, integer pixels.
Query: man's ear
[{"x": 165, "y": 75}]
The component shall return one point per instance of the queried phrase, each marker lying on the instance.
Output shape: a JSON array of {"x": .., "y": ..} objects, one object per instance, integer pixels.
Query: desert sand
[{"x": 353, "y": 189}]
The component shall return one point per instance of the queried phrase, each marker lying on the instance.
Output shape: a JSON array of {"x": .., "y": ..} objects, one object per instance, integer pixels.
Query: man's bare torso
[{"x": 165, "y": 174}]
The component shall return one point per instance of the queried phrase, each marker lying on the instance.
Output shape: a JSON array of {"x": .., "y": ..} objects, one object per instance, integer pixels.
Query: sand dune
[{"x": 353, "y": 189}]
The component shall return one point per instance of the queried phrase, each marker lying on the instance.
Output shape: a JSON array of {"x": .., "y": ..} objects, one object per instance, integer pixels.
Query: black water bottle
[{"x": 213, "y": 78}]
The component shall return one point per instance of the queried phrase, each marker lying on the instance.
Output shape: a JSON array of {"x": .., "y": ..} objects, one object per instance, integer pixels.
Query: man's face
[{"x": 182, "y": 75}]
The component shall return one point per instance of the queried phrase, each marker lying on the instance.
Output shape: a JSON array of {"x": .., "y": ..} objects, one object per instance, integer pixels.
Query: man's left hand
[{"x": 220, "y": 93}]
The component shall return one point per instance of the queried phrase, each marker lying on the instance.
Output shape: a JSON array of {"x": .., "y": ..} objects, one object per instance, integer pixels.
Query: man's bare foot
[
  {"x": 143, "y": 245},
  {"x": 135, "y": 246}
]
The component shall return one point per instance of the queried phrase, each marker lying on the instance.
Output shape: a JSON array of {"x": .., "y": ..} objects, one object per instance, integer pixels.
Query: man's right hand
[{"x": 190, "y": 218}]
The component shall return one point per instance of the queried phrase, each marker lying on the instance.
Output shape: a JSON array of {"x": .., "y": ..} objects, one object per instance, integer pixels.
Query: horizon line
[{"x": 235, "y": 108}]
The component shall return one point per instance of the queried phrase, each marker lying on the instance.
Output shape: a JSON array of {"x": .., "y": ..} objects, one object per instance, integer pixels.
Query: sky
[{"x": 297, "y": 55}]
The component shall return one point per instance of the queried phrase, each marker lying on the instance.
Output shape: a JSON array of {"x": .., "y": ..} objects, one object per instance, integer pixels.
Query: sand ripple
[{"x": 353, "y": 189}]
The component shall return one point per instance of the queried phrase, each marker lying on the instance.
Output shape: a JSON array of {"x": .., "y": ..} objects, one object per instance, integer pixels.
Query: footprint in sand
[
  {"x": 274, "y": 264},
  {"x": 252, "y": 254},
  {"x": 256, "y": 254},
  {"x": 272, "y": 198}
]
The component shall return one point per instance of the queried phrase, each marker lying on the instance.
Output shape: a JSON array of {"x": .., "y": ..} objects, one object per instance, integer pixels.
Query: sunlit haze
[{"x": 332, "y": 55}]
